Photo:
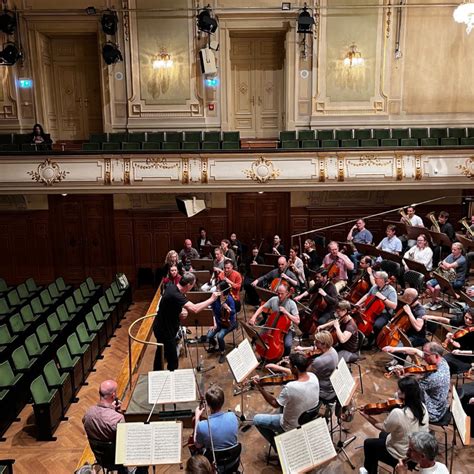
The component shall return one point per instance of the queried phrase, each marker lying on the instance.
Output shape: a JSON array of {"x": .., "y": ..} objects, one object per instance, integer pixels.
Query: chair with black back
[
  {"x": 414, "y": 279},
  {"x": 6, "y": 466},
  {"x": 392, "y": 268},
  {"x": 443, "y": 424},
  {"x": 104, "y": 452},
  {"x": 309, "y": 415},
  {"x": 227, "y": 460},
  {"x": 360, "y": 358}
]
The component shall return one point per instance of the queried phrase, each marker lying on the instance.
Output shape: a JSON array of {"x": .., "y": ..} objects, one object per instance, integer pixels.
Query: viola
[
  {"x": 382, "y": 407},
  {"x": 416, "y": 370},
  {"x": 366, "y": 317},
  {"x": 390, "y": 333},
  {"x": 273, "y": 348},
  {"x": 276, "y": 379}
]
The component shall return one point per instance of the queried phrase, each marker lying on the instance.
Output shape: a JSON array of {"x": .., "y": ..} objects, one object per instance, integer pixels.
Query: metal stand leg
[{"x": 341, "y": 445}]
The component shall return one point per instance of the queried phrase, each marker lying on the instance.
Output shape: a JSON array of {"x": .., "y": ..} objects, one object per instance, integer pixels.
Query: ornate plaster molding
[
  {"x": 262, "y": 170},
  {"x": 48, "y": 172}
]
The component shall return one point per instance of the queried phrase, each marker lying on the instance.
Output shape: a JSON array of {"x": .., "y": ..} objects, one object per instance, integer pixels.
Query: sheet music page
[
  {"x": 160, "y": 387},
  {"x": 293, "y": 451},
  {"x": 319, "y": 441},
  {"x": 342, "y": 382},
  {"x": 463, "y": 422},
  {"x": 242, "y": 360},
  {"x": 138, "y": 446},
  {"x": 184, "y": 385},
  {"x": 166, "y": 442}
]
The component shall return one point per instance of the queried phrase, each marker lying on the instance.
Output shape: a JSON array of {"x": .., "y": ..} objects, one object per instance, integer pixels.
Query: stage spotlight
[
  {"x": 8, "y": 22},
  {"x": 109, "y": 22},
  {"x": 305, "y": 21},
  {"x": 111, "y": 53},
  {"x": 10, "y": 54},
  {"x": 206, "y": 22}
]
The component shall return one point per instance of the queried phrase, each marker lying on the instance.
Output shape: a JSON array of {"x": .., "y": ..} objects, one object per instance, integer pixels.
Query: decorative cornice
[
  {"x": 156, "y": 163},
  {"x": 48, "y": 172},
  {"x": 262, "y": 170}
]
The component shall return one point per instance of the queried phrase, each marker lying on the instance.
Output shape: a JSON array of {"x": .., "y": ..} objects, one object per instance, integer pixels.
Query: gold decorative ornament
[
  {"x": 185, "y": 173},
  {"x": 322, "y": 170},
  {"x": 399, "y": 168},
  {"x": 48, "y": 173},
  {"x": 368, "y": 160},
  {"x": 204, "y": 171},
  {"x": 340, "y": 169},
  {"x": 156, "y": 163},
  {"x": 262, "y": 170},
  {"x": 126, "y": 171},
  {"x": 418, "y": 173},
  {"x": 467, "y": 169},
  {"x": 108, "y": 171}
]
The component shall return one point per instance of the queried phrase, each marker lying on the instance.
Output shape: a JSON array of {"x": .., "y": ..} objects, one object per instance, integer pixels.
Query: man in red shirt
[{"x": 234, "y": 280}]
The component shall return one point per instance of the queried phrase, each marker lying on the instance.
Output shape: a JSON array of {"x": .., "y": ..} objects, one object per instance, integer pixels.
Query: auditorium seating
[{"x": 57, "y": 332}]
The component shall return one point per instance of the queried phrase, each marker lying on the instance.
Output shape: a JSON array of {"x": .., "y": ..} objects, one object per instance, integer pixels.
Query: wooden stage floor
[{"x": 63, "y": 455}]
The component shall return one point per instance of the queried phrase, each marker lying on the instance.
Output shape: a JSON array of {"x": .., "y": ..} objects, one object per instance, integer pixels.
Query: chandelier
[
  {"x": 353, "y": 57},
  {"x": 162, "y": 61},
  {"x": 464, "y": 13}
]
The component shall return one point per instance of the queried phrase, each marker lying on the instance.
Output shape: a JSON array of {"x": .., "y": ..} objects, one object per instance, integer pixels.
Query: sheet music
[
  {"x": 343, "y": 383},
  {"x": 166, "y": 442},
  {"x": 242, "y": 361},
  {"x": 462, "y": 421},
  {"x": 304, "y": 448},
  {"x": 171, "y": 387}
]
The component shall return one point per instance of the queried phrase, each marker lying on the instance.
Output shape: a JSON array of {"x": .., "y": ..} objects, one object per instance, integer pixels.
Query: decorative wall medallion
[
  {"x": 418, "y": 173},
  {"x": 126, "y": 171},
  {"x": 262, "y": 170},
  {"x": 467, "y": 169},
  {"x": 204, "y": 171},
  {"x": 243, "y": 88},
  {"x": 108, "y": 171},
  {"x": 48, "y": 173},
  {"x": 156, "y": 163},
  {"x": 185, "y": 168}
]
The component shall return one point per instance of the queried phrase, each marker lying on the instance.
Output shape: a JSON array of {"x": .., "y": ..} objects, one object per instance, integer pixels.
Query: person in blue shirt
[
  {"x": 221, "y": 425},
  {"x": 224, "y": 320}
]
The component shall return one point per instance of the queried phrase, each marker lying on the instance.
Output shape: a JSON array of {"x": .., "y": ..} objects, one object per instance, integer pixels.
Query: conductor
[{"x": 173, "y": 309}]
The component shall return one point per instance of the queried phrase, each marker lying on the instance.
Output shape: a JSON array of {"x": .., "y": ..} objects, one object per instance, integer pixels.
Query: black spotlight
[
  {"x": 111, "y": 53},
  {"x": 305, "y": 21},
  {"x": 206, "y": 22},
  {"x": 10, "y": 54},
  {"x": 8, "y": 22},
  {"x": 109, "y": 22}
]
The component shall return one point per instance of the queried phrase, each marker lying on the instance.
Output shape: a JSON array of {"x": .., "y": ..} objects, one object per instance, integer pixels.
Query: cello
[
  {"x": 365, "y": 320},
  {"x": 390, "y": 333},
  {"x": 278, "y": 325},
  {"x": 308, "y": 320},
  {"x": 358, "y": 289}
]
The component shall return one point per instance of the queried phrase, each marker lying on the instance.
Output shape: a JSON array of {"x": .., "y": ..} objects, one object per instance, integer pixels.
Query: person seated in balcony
[{"x": 38, "y": 137}]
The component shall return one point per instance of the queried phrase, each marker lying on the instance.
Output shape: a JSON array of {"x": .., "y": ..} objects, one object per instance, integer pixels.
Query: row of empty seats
[
  {"x": 51, "y": 345},
  {"x": 395, "y": 137},
  {"x": 163, "y": 141}
]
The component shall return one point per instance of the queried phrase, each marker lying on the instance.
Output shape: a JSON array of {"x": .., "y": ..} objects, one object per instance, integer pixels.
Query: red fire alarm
[{"x": 211, "y": 107}]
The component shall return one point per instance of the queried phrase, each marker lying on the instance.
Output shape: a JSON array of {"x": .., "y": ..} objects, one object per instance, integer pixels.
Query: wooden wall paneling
[
  {"x": 42, "y": 257},
  {"x": 143, "y": 240},
  {"x": 124, "y": 244}
]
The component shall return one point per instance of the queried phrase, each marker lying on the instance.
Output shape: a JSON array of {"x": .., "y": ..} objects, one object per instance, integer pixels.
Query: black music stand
[
  {"x": 417, "y": 267},
  {"x": 264, "y": 294},
  {"x": 348, "y": 247},
  {"x": 438, "y": 238},
  {"x": 367, "y": 249},
  {"x": 464, "y": 297},
  {"x": 446, "y": 288},
  {"x": 413, "y": 231},
  {"x": 198, "y": 296},
  {"x": 254, "y": 335},
  {"x": 207, "y": 249},
  {"x": 271, "y": 259},
  {"x": 467, "y": 243},
  {"x": 390, "y": 256},
  {"x": 256, "y": 271},
  {"x": 202, "y": 276},
  {"x": 204, "y": 318},
  {"x": 202, "y": 264}
]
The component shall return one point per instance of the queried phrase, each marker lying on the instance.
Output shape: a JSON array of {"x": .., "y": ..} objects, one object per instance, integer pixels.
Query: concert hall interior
[{"x": 177, "y": 180}]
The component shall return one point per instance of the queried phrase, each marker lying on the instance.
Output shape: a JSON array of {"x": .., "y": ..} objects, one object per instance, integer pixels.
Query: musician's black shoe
[
  {"x": 211, "y": 350},
  {"x": 222, "y": 358}
]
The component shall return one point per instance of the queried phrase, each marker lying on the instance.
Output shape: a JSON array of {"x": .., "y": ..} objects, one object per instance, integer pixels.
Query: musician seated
[
  {"x": 187, "y": 254},
  {"x": 225, "y": 321},
  {"x": 422, "y": 450},
  {"x": 385, "y": 293},
  {"x": 392, "y": 444},
  {"x": 461, "y": 342},
  {"x": 328, "y": 293},
  {"x": 339, "y": 261},
  {"x": 346, "y": 332},
  {"x": 228, "y": 252},
  {"x": 311, "y": 258},
  {"x": 359, "y": 234},
  {"x": 296, "y": 265},
  {"x": 233, "y": 279},
  {"x": 282, "y": 273},
  {"x": 435, "y": 385},
  {"x": 172, "y": 278},
  {"x": 278, "y": 247},
  {"x": 391, "y": 243},
  {"x": 170, "y": 260},
  {"x": 421, "y": 253},
  {"x": 236, "y": 245},
  {"x": 447, "y": 228},
  {"x": 283, "y": 304},
  {"x": 217, "y": 269},
  {"x": 467, "y": 402},
  {"x": 410, "y": 219},
  {"x": 198, "y": 464},
  {"x": 454, "y": 269},
  {"x": 222, "y": 425},
  {"x": 295, "y": 398},
  {"x": 202, "y": 240}
]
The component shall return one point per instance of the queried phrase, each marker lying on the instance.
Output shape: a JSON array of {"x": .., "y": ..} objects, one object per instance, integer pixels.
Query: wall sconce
[
  {"x": 162, "y": 61},
  {"x": 353, "y": 57}
]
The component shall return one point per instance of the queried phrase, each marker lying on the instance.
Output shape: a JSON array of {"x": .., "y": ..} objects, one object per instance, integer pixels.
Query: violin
[
  {"x": 390, "y": 333},
  {"x": 191, "y": 446},
  {"x": 460, "y": 333},
  {"x": 415, "y": 370},
  {"x": 275, "y": 379},
  {"x": 382, "y": 407}
]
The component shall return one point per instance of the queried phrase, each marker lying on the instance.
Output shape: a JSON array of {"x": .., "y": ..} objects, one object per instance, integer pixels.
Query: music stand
[
  {"x": 467, "y": 243},
  {"x": 348, "y": 246},
  {"x": 204, "y": 318},
  {"x": 440, "y": 239},
  {"x": 254, "y": 335},
  {"x": 413, "y": 232},
  {"x": 264, "y": 294},
  {"x": 207, "y": 249},
  {"x": 367, "y": 249},
  {"x": 271, "y": 259},
  {"x": 202, "y": 276},
  {"x": 256, "y": 271},
  {"x": 202, "y": 264},
  {"x": 417, "y": 267},
  {"x": 198, "y": 296},
  {"x": 446, "y": 288},
  {"x": 400, "y": 226},
  {"x": 464, "y": 297},
  {"x": 390, "y": 256}
]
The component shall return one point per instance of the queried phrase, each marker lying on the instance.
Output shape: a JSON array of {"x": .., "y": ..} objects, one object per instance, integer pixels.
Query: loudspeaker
[
  {"x": 190, "y": 206},
  {"x": 208, "y": 61}
]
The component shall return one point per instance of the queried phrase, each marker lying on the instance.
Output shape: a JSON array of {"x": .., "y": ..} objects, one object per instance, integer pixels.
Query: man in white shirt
[{"x": 412, "y": 220}]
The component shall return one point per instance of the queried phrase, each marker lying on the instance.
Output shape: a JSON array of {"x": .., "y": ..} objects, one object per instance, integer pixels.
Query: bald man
[
  {"x": 188, "y": 253},
  {"x": 100, "y": 421}
]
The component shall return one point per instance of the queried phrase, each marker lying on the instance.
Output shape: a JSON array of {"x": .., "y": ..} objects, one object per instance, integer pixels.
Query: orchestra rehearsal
[{"x": 237, "y": 237}]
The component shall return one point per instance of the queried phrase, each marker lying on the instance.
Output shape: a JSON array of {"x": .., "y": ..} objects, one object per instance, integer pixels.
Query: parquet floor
[{"x": 63, "y": 455}]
